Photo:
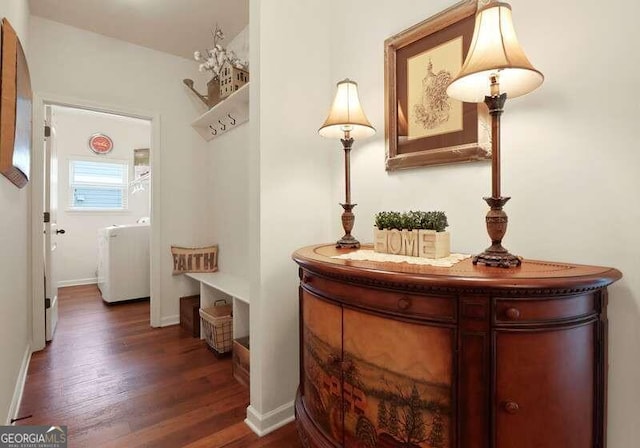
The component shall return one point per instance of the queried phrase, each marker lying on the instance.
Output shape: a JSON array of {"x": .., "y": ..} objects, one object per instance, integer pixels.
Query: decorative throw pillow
[{"x": 197, "y": 259}]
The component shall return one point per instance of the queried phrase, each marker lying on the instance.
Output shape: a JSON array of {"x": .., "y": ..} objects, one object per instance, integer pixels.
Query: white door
[{"x": 50, "y": 227}]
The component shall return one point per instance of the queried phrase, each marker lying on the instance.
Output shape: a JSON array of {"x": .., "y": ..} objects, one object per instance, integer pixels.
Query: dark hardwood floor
[{"x": 117, "y": 382}]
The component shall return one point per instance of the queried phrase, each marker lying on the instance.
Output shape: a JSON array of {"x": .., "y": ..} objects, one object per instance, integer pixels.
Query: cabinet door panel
[
  {"x": 321, "y": 364},
  {"x": 397, "y": 383},
  {"x": 545, "y": 388}
]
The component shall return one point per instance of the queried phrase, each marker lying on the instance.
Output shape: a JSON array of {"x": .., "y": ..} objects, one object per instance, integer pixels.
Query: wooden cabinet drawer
[
  {"x": 544, "y": 309},
  {"x": 441, "y": 308}
]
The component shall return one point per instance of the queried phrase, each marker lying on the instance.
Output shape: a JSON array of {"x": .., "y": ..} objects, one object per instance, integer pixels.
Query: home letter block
[
  {"x": 413, "y": 243},
  {"x": 380, "y": 241},
  {"x": 433, "y": 244},
  {"x": 410, "y": 243},
  {"x": 395, "y": 242}
]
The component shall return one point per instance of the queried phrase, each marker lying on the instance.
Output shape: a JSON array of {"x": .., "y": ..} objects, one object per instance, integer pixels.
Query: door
[
  {"x": 321, "y": 364},
  {"x": 545, "y": 387},
  {"x": 51, "y": 230},
  {"x": 398, "y": 382}
]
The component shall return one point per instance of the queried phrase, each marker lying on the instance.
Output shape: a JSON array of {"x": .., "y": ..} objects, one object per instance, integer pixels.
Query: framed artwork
[
  {"x": 423, "y": 125},
  {"x": 15, "y": 109},
  {"x": 141, "y": 166}
]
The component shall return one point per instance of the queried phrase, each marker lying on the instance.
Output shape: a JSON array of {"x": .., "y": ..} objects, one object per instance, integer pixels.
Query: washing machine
[{"x": 123, "y": 262}]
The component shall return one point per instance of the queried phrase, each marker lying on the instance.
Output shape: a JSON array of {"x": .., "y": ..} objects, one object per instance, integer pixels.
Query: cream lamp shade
[
  {"x": 346, "y": 114},
  {"x": 494, "y": 50}
]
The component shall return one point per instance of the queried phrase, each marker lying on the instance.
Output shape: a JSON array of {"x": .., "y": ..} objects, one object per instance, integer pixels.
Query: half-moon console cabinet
[{"x": 400, "y": 355}]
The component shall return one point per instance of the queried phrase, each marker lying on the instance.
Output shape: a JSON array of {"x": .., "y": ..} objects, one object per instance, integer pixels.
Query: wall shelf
[
  {"x": 224, "y": 116},
  {"x": 227, "y": 283},
  {"x": 220, "y": 285}
]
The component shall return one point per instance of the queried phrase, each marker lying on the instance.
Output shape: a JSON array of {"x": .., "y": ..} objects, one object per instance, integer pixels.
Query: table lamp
[
  {"x": 495, "y": 68},
  {"x": 347, "y": 121}
]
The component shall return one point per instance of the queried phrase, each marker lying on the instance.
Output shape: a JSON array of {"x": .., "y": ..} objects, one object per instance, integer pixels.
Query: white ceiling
[{"x": 177, "y": 27}]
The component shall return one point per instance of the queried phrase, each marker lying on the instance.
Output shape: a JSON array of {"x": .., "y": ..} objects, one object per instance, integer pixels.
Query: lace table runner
[{"x": 369, "y": 255}]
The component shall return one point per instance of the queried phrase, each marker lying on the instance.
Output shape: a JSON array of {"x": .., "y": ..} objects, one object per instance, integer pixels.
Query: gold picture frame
[{"x": 423, "y": 125}]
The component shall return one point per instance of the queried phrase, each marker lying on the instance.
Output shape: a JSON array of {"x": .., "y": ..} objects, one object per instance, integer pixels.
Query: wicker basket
[{"x": 217, "y": 324}]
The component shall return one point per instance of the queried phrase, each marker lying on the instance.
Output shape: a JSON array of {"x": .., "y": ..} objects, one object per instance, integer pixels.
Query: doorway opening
[{"x": 97, "y": 175}]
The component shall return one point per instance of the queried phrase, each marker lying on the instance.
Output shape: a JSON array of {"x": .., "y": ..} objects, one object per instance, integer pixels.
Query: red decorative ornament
[{"x": 100, "y": 144}]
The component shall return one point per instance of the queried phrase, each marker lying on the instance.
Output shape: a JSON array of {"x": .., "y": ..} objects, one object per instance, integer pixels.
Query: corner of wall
[
  {"x": 285, "y": 161},
  {"x": 263, "y": 424}
]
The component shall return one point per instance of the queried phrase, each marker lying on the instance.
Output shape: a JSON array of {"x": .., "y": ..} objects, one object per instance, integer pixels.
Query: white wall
[
  {"x": 76, "y": 64},
  {"x": 290, "y": 178},
  {"x": 14, "y": 264},
  {"x": 240, "y": 44},
  {"x": 228, "y": 199},
  {"x": 228, "y": 191},
  {"x": 570, "y": 156},
  {"x": 77, "y": 253}
]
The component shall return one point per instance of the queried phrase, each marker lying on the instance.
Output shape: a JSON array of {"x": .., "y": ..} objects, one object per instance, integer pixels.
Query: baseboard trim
[
  {"x": 263, "y": 424},
  {"x": 78, "y": 282},
  {"x": 170, "y": 320},
  {"x": 19, "y": 388}
]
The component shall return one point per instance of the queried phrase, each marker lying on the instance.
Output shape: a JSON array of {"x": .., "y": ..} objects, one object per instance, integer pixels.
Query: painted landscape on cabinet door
[
  {"x": 392, "y": 378},
  {"x": 401, "y": 375},
  {"x": 322, "y": 380}
]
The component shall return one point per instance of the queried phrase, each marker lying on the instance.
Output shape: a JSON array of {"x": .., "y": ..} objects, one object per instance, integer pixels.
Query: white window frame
[{"x": 124, "y": 186}]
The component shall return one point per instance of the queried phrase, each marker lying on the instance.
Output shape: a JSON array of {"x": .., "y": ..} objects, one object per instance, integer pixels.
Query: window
[{"x": 98, "y": 185}]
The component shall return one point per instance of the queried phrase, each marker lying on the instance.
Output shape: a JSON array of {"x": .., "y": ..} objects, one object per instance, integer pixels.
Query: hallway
[{"x": 116, "y": 382}]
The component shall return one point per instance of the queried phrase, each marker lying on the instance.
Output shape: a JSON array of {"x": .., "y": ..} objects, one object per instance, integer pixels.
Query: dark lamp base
[
  {"x": 496, "y": 255},
  {"x": 497, "y": 258},
  {"x": 348, "y": 242},
  {"x": 348, "y": 218}
]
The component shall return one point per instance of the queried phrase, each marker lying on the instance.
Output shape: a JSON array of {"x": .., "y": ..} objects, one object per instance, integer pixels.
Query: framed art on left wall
[
  {"x": 423, "y": 125},
  {"x": 15, "y": 109}
]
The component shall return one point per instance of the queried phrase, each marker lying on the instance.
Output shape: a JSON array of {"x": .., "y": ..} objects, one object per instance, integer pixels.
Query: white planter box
[{"x": 413, "y": 243}]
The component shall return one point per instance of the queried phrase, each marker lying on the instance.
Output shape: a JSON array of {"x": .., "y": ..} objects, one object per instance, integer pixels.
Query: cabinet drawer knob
[
  {"x": 511, "y": 407},
  {"x": 404, "y": 303},
  {"x": 512, "y": 313}
]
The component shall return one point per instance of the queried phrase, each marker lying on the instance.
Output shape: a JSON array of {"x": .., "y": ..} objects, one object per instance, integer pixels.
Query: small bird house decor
[
  {"x": 214, "y": 60},
  {"x": 232, "y": 77}
]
